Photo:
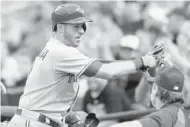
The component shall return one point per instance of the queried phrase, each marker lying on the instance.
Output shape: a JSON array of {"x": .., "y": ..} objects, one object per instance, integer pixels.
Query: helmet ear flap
[
  {"x": 54, "y": 28},
  {"x": 84, "y": 27}
]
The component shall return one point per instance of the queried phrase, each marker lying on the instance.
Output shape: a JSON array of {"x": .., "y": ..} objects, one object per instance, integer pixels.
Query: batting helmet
[{"x": 69, "y": 13}]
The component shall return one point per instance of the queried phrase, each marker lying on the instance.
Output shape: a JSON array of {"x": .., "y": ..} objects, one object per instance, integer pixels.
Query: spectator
[
  {"x": 155, "y": 27},
  {"x": 128, "y": 16},
  {"x": 9, "y": 72},
  {"x": 129, "y": 46},
  {"x": 179, "y": 54},
  {"x": 176, "y": 18},
  {"x": 100, "y": 44},
  {"x": 103, "y": 98}
]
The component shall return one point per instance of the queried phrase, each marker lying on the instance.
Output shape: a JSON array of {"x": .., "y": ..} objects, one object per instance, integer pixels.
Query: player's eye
[{"x": 78, "y": 26}]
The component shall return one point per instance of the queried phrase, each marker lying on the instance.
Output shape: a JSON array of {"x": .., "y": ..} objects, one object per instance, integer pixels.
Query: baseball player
[
  {"x": 166, "y": 96},
  {"x": 52, "y": 85}
]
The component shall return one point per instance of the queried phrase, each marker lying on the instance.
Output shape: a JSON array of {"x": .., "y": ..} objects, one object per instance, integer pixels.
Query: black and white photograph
[{"x": 103, "y": 63}]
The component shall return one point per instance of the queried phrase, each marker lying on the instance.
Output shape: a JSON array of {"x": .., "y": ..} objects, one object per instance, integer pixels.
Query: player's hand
[
  {"x": 148, "y": 61},
  {"x": 154, "y": 56},
  {"x": 158, "y": 50}
]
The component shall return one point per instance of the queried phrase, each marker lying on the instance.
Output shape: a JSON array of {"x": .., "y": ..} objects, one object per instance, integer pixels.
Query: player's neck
[
  {"x": 61, "y": 38},
  {"x": 159, "y": 104}
]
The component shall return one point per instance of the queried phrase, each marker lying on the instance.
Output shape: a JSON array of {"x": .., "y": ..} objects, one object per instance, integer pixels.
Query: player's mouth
[{"x": 78, "y": 39}]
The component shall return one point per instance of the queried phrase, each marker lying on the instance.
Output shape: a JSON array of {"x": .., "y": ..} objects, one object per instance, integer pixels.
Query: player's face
[{"x": 73, "y": 33}]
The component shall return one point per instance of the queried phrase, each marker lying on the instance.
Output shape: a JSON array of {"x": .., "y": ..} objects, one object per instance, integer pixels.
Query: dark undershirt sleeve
[{"x": 93, "y": 68}]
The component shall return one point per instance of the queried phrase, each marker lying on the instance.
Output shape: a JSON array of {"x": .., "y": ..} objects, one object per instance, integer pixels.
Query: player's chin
[{"x": 76, "y": 44}]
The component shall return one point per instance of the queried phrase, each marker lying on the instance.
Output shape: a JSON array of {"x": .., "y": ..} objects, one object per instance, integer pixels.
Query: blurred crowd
[{"x": 121, "y": 30}]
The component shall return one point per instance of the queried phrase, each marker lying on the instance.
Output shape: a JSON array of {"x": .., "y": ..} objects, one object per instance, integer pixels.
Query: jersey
[
  {"x": 52, "y": 84},
  {"x": 171, "y": 115}
]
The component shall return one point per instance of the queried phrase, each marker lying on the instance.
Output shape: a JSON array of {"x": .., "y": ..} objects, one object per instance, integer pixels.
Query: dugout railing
[{"x": 8, "y": 111}]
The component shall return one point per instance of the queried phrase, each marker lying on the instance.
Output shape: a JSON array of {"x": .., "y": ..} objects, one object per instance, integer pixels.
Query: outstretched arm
[
  {"x": 117, "y": 69},
  {"x": 112, "y": 70}
]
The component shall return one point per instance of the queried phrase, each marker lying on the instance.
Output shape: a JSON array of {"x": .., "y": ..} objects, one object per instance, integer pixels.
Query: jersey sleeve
[
  {"x": 162, "y": 118},
  {"x": 72, "y": 61},
  {"x": 93, "y": 68}
]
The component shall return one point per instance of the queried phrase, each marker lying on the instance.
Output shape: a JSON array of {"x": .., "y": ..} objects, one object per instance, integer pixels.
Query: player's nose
[{"x": 81, "y": 30}]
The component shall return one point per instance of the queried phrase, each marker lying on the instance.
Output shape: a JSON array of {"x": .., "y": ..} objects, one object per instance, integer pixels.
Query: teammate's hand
[
  {"x": 148, "y": 61},
  {"x": 150, "y": 74},
  {"x": 158, "y": 50}
]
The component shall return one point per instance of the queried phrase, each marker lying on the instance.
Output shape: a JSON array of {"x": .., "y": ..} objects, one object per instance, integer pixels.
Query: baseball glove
[{"x": 157, "y": 51}]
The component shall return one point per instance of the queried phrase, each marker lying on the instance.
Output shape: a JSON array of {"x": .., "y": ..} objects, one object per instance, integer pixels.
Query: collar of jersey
[{"x": 53, "y": 42}]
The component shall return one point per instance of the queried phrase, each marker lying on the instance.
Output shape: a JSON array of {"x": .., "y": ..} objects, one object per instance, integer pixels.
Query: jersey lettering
[
  {"x": 39, "y": 59},
  {"x": 71, "y": 78}
]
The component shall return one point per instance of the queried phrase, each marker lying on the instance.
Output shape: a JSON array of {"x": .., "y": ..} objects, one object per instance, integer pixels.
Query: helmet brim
[{"x": 78, "y": 20}]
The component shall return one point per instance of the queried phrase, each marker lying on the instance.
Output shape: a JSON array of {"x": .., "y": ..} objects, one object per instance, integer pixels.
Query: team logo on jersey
[{"x": 73, "y": 80}]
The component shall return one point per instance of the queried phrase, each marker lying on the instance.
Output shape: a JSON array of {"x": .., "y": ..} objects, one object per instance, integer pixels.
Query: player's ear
[{"x": 60, "y": 27}]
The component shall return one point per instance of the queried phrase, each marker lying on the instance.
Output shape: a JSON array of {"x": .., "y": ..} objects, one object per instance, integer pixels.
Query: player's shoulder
[
  {"x": 172, "y": 108},
  {"x": 64, "y": 51},
  {"x": 59, "y": 49},
  {"x": 166, "y": 112}
]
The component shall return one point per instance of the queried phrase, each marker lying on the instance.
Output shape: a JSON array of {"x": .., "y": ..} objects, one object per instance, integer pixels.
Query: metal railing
[{"x": 8, "y": 111}]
